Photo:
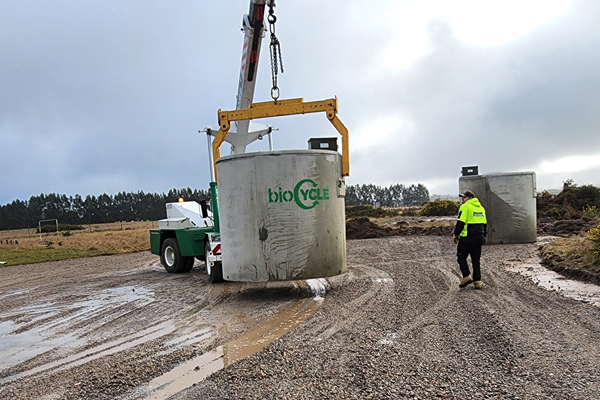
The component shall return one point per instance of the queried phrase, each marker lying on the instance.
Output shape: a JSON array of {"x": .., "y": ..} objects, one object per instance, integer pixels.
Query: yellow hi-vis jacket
[{"x": 471, "y": 219}]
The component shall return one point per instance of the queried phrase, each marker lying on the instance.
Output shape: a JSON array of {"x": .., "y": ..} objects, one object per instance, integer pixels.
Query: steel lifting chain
[{"x": 274, "y": 51}]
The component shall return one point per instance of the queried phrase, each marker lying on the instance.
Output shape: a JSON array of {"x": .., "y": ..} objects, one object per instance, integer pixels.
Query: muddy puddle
[
  {"x": 67, "y": 332},
  {"x": 35, "y": 329},
  {"x": 197, "y": 369},
  {"x": 553, "y": 281}
]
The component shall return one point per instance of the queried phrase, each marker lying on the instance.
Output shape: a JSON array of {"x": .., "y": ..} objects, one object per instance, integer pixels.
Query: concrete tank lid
[
  {"x": 275, "y": 153},
  {"x": 498, "y": 174}
]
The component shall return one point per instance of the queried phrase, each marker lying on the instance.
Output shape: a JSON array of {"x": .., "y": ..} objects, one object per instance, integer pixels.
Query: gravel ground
[
  {"x": 102, "y": 327},
  {"x": 395, "y": 326},
  {"x": 398, "y": 326}
]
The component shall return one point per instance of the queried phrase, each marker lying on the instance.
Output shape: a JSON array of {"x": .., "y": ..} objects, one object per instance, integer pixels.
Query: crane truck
[{"x": 192, "y": 230}]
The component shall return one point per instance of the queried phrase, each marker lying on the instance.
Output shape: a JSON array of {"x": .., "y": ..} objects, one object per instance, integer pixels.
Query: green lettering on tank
[{"x": 306, "y": 194}]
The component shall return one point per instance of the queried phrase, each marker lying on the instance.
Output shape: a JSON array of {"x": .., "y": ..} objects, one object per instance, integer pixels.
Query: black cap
[{"x": 468, "y": 193}]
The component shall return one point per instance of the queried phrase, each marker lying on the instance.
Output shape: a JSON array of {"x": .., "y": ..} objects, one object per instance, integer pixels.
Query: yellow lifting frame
[{"x": 277, "y": 109}]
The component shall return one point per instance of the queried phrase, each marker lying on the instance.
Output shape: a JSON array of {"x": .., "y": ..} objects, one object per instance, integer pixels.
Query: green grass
[{"x": 575, "y": 252}]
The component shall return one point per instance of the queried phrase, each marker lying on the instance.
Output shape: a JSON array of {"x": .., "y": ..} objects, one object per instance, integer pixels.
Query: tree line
[
  {"x": 104, "y": 208},
  {"x": 140, "y": 206},
  {"x": 396, "y": 195}
]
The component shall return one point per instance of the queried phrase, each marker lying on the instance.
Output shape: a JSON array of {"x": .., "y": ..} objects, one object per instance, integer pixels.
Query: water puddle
[
  {"x": 191, "y": 338},
  {"x": 33, "y": 330},
  {"x": 197, "y": 369},
  {"x": 16, "y": 348},
  {"x": 282, "y": 323},
  {"x": 100, "y": 351},
  {"x": 186, "y": 375},
  {"x": 553, "y": 281}
]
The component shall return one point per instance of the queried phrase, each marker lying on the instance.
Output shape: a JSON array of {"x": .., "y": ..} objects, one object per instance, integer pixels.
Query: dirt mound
[
  {"x": 425, "y": 230},
  {"x": 568, "y": 227},
  {"x": 364, "y": 228}
]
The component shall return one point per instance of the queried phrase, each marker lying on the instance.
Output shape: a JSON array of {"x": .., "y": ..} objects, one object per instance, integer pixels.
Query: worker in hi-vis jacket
[{"x": 470, "y": 234}]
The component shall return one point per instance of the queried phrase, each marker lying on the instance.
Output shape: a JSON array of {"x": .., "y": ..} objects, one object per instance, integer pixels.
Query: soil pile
[
  {"x": 364, "y": 228},
  {"x": 572, "y": 212},
  {"x": 569, "y": 203},
  {"x": 568, "y": 227}
]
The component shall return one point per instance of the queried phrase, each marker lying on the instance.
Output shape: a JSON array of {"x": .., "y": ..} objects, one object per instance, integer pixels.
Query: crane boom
[{"x": 253, "y": 27}]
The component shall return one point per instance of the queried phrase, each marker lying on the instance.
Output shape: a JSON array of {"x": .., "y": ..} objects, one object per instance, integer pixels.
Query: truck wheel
[
  {"x": 189, "y": 264},
  {"x": 170, "y": 257}
]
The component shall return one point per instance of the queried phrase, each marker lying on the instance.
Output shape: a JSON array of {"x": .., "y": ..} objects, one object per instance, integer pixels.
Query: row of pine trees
[
  {"x": 75, "y": 210},
  {"x": 140, "y": 206}
]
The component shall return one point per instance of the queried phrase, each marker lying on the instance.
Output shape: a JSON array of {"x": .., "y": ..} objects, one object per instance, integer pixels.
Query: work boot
[
  {"x": 465, "y": 281},
  {"x": 478, "y": 285}
]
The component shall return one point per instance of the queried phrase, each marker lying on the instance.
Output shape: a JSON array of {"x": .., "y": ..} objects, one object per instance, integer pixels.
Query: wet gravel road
[
  {"x": 395, "y": 326},
  {"x": 398, "y": 326}
]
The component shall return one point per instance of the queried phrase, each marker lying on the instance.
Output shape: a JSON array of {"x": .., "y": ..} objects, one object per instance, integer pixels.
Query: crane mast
[
  {"x": 253, "y": 27},
  {"x": 254, "y": 30}
]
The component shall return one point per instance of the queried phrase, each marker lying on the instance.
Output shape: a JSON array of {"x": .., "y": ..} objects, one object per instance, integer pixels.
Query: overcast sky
[{"x": 108, "y": 96}]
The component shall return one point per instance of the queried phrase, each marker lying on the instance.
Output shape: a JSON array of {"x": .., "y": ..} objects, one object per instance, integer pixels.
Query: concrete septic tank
[
  {"x": 282, "y": 215},
  {"x": 510, "y": 203}
]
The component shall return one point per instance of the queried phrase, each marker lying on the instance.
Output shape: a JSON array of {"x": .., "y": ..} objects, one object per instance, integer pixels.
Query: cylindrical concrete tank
[
  {"x": 282, "y": 215},
  {"x": 510, "y": 203}
]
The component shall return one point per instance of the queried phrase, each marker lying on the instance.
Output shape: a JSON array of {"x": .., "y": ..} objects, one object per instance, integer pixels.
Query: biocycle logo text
[{"x": 306, "y": 194}]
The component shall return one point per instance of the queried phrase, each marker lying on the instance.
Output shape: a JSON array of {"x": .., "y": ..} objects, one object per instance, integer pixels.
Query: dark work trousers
[{"x": 470, "y": 246}]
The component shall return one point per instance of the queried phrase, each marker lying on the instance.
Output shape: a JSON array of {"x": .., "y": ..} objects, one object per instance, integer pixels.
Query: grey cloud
[{"x": 116, "y": 92}]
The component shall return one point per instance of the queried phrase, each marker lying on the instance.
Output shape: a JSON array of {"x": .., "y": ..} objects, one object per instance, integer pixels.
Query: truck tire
[
  {"x": 189, "y": 264},
  {"x": 170, "y": 256}
]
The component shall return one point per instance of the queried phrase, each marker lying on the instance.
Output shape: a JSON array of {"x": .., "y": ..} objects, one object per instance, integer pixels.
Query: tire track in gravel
[
  {"x": 198, "y": 368},
  {"x": 377, "y": 284},
  {"x": 432, "y": 277},
  {"x": 420, "y": 336},
  {"x": 441, "y": 287}
]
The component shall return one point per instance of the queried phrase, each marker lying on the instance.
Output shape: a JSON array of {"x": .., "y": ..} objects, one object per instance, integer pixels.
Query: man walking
[{"x": 470, "y": 234}]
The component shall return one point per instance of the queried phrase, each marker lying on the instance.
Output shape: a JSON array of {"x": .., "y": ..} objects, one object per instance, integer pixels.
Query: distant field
[{"x": 25, "y": 246}]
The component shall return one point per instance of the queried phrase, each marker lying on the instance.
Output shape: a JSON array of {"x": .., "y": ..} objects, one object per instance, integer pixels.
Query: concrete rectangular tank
[
  {"x": 282, "y": 215},
  {"x": 510, "y": 203}
]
